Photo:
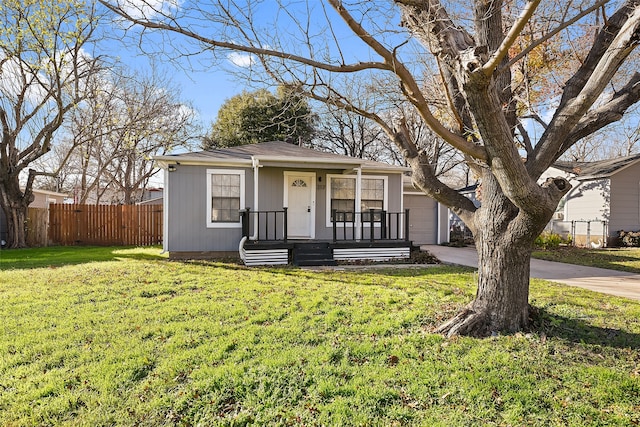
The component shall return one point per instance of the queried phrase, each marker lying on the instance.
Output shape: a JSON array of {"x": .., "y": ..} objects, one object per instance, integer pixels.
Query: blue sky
[
  {"x": 206, "y": 89},
  {"x": 211, "y": 83}
]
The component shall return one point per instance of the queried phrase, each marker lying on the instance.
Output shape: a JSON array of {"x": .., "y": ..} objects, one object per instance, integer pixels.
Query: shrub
[
  {"x": 548, "y": 240},
  {"x": 629, "y": 238}
]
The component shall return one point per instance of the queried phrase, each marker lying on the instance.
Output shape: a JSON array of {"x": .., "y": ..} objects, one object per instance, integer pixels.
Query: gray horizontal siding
[
  {"x": 422, "y": 219},
  {"x": 187, "y": 213},
  {"x": 625, "y": 200},
  {"x": 187, "y": 216}
]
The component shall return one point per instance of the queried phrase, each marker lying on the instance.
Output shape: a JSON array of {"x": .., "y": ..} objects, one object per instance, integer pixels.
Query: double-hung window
[
  {"x": 372, "y": 198},
  {"x": 225, "y": 197},
  {"x": 342, "y": 197}
]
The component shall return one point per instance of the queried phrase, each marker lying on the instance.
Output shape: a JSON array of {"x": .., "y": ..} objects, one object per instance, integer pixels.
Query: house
[
  {"x": 110, "y": 195},
  {"x": 275, "y": 202},
  {"x": 42, "y": 199},
  {"x": 152, "y": 196},
  {"x": 605, "y": 199}
]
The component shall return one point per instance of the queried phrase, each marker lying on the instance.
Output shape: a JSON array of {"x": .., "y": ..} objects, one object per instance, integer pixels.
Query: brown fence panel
[
  {"x": 37, "y": 226},
  {"x": 105, "y": 225},
  {"x": 62, "y": 219}
]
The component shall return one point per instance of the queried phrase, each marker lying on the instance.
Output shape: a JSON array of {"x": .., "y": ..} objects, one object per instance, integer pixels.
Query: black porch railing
[
  {"x": 264, "y": 225},
  {"x": 372, "y": 225}
]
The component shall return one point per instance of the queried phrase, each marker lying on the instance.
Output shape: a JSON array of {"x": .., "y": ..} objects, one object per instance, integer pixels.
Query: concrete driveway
[{"x": 602, "y": 280}]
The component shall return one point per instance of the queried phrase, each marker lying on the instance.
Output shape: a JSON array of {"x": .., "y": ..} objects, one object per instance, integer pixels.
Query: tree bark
[
  {"x": 504, "y": 238},
  {"x": 16, "y": 228},
  {"x": 502, "y": 300},
  {"x": 15, "y": 205}
]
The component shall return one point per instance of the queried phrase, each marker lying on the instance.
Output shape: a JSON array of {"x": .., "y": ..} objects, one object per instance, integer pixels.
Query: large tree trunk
[
  {"x": 16, "y": 228},
  {"x": 504, "y": 239},
  {"x": 502, "y": 301},
  {"x": 15, "y": 203}
]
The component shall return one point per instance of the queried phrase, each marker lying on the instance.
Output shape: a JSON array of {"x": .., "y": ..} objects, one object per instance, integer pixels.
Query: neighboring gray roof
[
  {"x": 598, "y": 169},
  {"x": 274, "y": 151}
]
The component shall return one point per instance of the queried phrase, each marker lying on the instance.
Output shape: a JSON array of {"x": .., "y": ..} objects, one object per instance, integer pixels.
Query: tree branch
[
  {"x": 610, "y": 112},
  {"x": 243, "y": 48},
  {"x": 410, "y": 87},
  {"x": 618, "y": 38},
  {"x": 423, "y": 176},
  {"x": 552, "y": 33},
  {"x": 494, "y": 60}
]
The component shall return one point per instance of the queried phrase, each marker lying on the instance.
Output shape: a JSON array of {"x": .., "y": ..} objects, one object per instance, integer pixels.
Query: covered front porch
[{"x": 373, "y": 235}]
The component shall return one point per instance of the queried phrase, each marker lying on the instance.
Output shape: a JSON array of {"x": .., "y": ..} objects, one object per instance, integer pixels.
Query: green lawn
[
  {"x": 623, "y": 259},
  {"x": 134, "y": 339}
]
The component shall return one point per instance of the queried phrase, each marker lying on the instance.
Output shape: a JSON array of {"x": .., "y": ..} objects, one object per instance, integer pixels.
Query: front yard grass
[
  {"x": 623, "y": 259},
  {"x": 132, "y": 340}
]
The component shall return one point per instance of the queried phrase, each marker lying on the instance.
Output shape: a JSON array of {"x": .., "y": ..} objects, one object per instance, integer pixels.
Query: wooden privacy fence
[
  {"x": 37, "y": 227},
  {"x": 106, "y": 225}
]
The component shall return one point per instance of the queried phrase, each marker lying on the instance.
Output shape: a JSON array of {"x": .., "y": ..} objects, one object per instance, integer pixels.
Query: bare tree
[
  {"x": 148, "y": 119},
  {"x": 127, "y": 119},
  {"x": 350, "y": 134},
  {"x": 43, "y": 70},
  {"x": 470, "y": 44}
]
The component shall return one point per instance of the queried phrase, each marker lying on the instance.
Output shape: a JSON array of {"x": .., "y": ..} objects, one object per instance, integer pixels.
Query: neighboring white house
[{"x": 605, "y": 198}]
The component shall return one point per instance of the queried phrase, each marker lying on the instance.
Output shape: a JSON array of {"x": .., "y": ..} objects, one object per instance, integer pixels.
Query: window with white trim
[
  {"x": 341, "y": 197},
  {"x": 225, "y": 197},
  {"x": 372, "y": 197}
]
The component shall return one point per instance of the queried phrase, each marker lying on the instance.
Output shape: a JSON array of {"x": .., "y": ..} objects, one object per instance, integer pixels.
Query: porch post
[
  {"x": 371, "y": 229},
  {"x": 244, "y": 215},
  {"x": 334, "y": 212},
  {"x": 383, "y": 225},
  {"x": 406, "y": 225},
  {"x": 285, "y": 224},
  {"x": 358, "y": 204}
]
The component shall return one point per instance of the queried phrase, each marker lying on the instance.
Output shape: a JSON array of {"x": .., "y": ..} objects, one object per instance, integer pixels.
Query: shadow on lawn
[
  {"x": 542, "y": 321},
  {"x": 57, "y": 256},
  {"x": 581, "y": 332},
  {"x": 354, "y": 274}
]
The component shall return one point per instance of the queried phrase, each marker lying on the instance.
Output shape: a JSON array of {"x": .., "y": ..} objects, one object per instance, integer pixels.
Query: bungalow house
[
  {"x": 275, "y": 202},
  {"x": 605, "y": 199},
  {"x": 42, "y": 199}
]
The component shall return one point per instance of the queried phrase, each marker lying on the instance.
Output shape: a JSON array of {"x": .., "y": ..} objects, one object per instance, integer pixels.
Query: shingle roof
[
  {"x": 598, "y": 169},
  {"x": 275, "y": 150}
]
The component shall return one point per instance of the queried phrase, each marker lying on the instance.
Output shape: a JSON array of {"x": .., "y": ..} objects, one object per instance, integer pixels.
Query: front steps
[{"x": 312, "y": 254}]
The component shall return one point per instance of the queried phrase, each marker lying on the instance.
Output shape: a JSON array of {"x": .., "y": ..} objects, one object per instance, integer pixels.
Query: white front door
[{"x": 300, "y": 199}]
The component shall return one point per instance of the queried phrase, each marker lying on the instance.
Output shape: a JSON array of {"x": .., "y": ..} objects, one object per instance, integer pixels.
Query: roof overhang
[
  {"x": 280, "y": 161},
  {"x": 165, "y": 161}
]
